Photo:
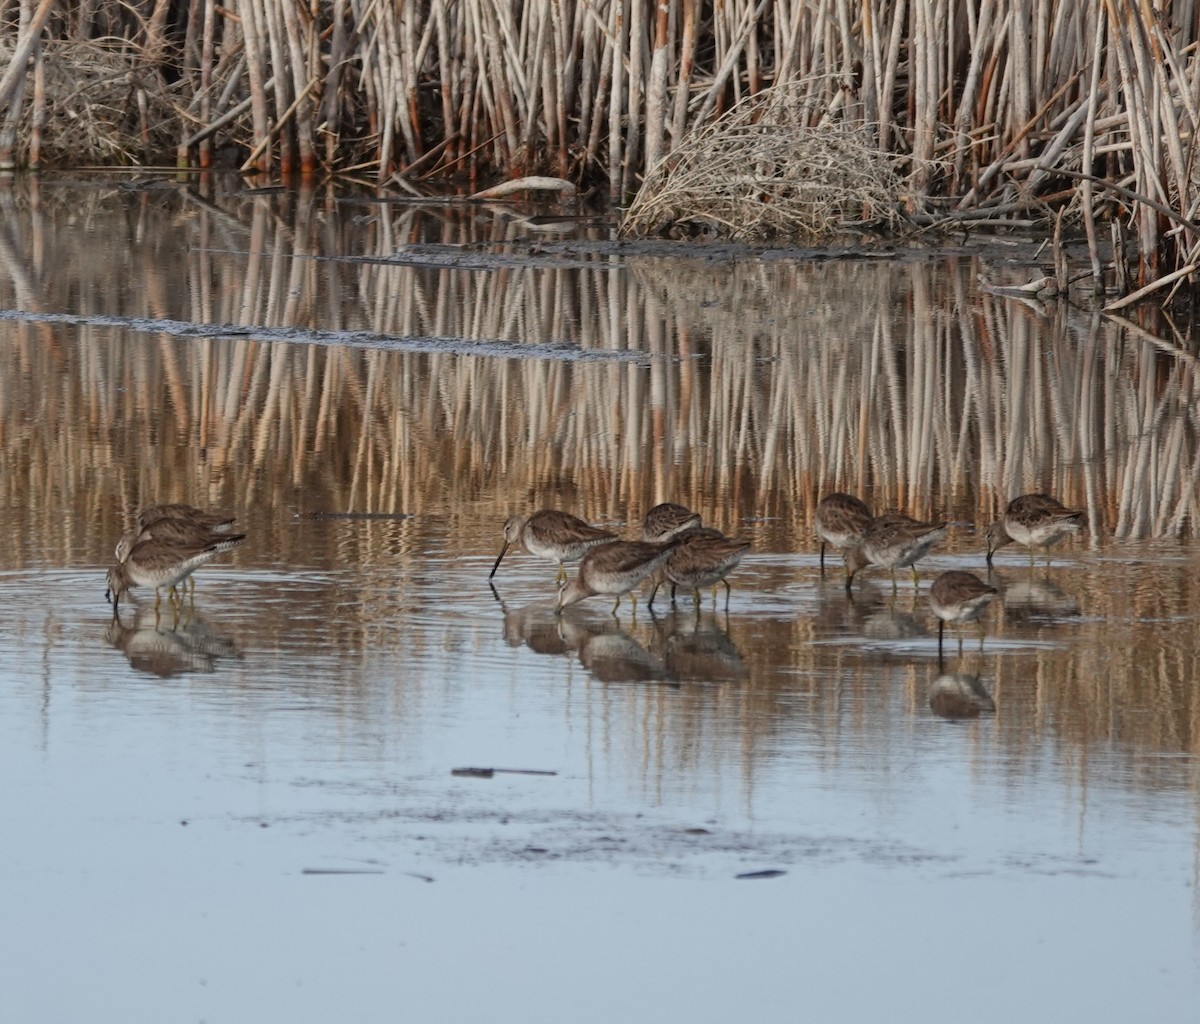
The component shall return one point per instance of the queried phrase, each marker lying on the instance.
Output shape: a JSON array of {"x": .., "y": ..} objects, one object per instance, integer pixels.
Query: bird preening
[{"x": 166, "y": 545}]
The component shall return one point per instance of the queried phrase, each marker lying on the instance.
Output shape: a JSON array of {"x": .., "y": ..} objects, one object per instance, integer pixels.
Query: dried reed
[{"x": 977, "y": 110}]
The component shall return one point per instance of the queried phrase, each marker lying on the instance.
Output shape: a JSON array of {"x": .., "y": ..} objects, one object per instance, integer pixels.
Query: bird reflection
[
  {"x": 867, "y": 613},
  {"x": 695, "y": 645},
  {"x": 534, "y": 625},
  {"x": 1034, "y": 598},
  {"x": 187, "y": 644},
  {"x": 959, "y": 695},
  {"x": 610, "y": 653},
  {"x": 884, "y": 617}
]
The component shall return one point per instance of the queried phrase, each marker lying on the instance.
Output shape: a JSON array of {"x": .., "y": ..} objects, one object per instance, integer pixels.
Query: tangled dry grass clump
[
  {"x": 769, "y": 169},
  {"x": 103, "y": 106}
]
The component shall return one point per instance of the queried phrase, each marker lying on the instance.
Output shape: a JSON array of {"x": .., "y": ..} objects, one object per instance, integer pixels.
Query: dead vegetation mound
[
  {"x": 103, "y": 105},
  {"x": 770, "y": 168}
]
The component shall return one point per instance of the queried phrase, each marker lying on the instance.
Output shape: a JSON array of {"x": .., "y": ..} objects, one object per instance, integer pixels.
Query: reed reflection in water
[
  {"x": 764, "y": 383},
  {"x": 743, "y": 388}
]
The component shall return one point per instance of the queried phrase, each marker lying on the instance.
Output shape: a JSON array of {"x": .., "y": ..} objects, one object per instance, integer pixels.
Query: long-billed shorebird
[
  {"x": 840, "y": 521},
  {"x": 704, "y": 558},
  {"x": 666, "y": 521},
  {"x": 893, "y": 541},
  {"x": 175, "y": 524},
  {"x": 959, "y": 597},
  {"x": 558, "y": 536},
  {"x": 1035, "y": 520},
  {"x": 158, "y": 564},
  {"x": 614, "y": 569}
]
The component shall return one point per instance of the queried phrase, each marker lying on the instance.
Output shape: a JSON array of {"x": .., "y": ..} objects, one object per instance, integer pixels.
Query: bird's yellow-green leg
[
  {"x": 916, "y": 578},
  {"x": 562, "y": 574},
  {"x": 616, "y": 604}
]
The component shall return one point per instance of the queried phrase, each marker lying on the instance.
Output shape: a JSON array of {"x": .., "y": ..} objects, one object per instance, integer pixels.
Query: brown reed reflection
[
  {"x": 794, "y": 377},
  {"x": 765, "y": 384}
]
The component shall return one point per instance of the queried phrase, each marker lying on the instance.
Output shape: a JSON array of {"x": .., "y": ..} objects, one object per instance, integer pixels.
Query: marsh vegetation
[{"x": 979, "y": 114}]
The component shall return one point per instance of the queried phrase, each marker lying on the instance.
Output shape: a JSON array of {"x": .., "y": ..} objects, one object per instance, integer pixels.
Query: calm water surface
[{"x": 256, "y": 809}]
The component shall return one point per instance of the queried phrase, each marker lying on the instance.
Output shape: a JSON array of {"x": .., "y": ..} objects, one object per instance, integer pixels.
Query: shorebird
[
  {"x": 1035, "y": 520},
  {"x": 704, "y": 558},
  {"x": 893, "y": 541},
  {"x": 614, "y": 569},
  {"x": 666, "y": 521},
  {"x": 175, "y": 524},
  {"x": 959, "y": 597},
  {"x": 157, "y": 564},
  {"x": 840, "y": 521},
  {"x": 558, "y": 536}
]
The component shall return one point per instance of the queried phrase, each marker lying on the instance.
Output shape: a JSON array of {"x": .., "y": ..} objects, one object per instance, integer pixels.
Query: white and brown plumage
[
  {"x": 959, "y": 597},
  {"x": 893, "y": 541},
  {"x": 1035, "y": 520},
  {"x": 666, "y": 521},
  {"x": 704, "y": 558},
  {"x": 557, "y": 536},
  {"x": 173, "y": 530},
  {"x": 157, "y": 564},
  {"x": 840, "y": 521},
  {"x": 217, "y": 522},
  {"x": 614, "y": 569}
]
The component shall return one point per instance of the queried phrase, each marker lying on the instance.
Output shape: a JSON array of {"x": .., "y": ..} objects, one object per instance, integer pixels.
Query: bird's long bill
[{"x": 499, "y": 559}]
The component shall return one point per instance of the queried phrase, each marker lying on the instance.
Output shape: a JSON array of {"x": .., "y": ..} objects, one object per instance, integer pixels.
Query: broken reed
[{"x": 980, "y": 104}]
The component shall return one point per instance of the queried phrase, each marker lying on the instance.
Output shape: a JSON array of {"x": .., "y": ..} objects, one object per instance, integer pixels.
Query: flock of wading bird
[
  {"x": 170, "y": 542},
  {"x": 676, "y": 549}
]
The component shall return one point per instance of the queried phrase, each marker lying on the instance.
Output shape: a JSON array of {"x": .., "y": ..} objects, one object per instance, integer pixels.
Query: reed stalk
[{"x": 971, "y": 103}]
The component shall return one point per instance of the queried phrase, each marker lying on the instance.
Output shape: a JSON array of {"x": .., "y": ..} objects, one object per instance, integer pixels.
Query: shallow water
[{"x": 260, "y": 803}]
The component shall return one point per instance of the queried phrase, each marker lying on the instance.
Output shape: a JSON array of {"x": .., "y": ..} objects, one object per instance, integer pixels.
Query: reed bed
[{"x": 982, "y": 112}]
